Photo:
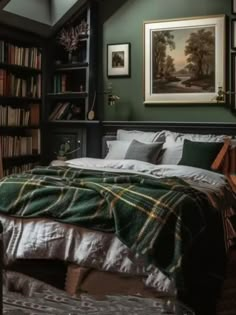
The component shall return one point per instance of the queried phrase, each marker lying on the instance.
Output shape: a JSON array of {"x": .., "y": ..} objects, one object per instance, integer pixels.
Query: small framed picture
[
  {"x": 233, "y": 6},
  {"x": 233, "y": 33},
  {"x": 118, "y": 60}
]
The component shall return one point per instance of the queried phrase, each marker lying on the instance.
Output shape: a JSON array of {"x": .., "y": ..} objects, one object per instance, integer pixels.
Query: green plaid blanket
[{"x": 160, "y": 219}]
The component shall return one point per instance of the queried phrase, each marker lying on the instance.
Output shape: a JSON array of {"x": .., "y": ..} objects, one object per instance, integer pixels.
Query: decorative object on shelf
[
  {"x": 91, "y": 113},
  {"x": 118, "y": 60},
  {"x": 83, "y": 28},
  {"x": 184, "y": 60},
  {"x": 65, "y": 150},
  {"x": 69, "y": 38}
]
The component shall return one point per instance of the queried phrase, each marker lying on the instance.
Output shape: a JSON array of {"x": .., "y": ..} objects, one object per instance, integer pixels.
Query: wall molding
[{"x": 110, "y": 127}]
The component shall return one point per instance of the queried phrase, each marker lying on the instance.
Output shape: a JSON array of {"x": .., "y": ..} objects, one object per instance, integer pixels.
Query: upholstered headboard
[{"x": 110, "y": 128}]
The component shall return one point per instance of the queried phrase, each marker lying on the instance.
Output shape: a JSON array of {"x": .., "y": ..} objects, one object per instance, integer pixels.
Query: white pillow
[
  {"x": 117, "y": 149},
  {"x": 172, "y": 153},
  {"x": 176, "y": 137},
  {"x": 141, "y": 136}
]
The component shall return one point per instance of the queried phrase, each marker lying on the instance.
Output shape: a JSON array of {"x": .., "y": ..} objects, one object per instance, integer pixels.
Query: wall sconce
[
  {"x": 221, "y": 94},
  {"x": 111, "y": 97}
]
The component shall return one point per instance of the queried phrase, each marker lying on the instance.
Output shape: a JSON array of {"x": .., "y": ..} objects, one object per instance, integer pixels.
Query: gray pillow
[{"x": 144, "y": 152}]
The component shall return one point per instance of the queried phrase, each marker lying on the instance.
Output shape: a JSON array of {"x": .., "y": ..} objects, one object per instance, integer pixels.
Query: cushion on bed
[
  {"x": 177, "y": 137},
  {"x": 117, "y": 149},
  {"x": 171, "y": 153},
  {"x": 143, "y": 151},
  {"x": 200, "y": 154}
]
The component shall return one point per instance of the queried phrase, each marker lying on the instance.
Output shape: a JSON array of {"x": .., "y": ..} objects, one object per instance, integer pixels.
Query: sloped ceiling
[{"x": 42, "y": 17}]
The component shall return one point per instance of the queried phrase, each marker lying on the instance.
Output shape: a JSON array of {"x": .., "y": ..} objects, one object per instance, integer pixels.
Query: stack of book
[
  {"x": 12, "y": 85},
  {"x": 22, "y": 56},
  {"x": 66, "y": 111}
]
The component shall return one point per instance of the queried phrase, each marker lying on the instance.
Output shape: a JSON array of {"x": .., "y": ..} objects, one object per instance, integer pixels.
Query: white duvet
[{"x": 161, "y": 170}]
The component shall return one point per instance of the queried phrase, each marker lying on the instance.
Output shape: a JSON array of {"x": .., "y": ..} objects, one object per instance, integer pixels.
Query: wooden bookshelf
[
  {"x": 20, "y": 99},
  {"x": 71, "y": 86}
]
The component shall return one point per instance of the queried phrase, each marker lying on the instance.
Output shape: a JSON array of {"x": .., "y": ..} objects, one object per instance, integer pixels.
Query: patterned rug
[{"x": 23, "y": 295}]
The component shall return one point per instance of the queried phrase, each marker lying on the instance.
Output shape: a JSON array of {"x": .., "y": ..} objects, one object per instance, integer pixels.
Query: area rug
[{"x": 23, "y": 295}]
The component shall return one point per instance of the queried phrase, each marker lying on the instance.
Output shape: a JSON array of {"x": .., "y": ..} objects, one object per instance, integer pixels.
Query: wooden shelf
[
  {"x": 71, "y": 66},
  {"x": 18, "y": 68},
  {"x": 73, "y": 122},
  {"x": 68, "y": 95},
  {"x": 22, "y": 157},
  {"x": 18, "y": 127},
  {"x": 83, "y": 37},
  {"x": 19, "y": 99}
]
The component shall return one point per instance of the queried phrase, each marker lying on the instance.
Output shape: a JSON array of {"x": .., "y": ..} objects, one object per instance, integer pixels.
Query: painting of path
[{"x": 183, "y": 60}]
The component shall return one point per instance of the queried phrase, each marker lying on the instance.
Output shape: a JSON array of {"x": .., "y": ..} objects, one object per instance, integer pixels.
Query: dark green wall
[{"x": 125, "y": 24}]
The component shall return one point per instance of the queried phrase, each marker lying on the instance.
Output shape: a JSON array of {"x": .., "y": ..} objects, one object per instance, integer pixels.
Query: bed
[{"x": 169, "y": 231}]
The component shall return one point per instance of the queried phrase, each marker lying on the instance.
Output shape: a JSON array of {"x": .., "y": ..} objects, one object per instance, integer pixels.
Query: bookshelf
[
  {"x": 71, "y": 86},
  {"x": 20, "y": 100}
]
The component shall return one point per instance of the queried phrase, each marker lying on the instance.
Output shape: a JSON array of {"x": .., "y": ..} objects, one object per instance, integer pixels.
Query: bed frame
[{"x": 109, "y": 129}]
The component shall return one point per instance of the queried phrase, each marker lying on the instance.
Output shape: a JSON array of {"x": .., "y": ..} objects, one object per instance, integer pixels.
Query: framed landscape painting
[{"x": 184, "y": 60}]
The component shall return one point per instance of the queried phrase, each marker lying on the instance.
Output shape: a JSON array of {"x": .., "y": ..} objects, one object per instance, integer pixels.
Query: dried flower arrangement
[{"x": 69, "y": 38}]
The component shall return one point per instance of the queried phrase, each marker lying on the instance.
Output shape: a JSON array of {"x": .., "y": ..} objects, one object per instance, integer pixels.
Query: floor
[{"x": 23, "y": 295}]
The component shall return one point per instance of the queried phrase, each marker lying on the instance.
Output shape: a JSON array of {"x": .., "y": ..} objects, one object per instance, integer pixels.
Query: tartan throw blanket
[{"x": 166, "y": 220}]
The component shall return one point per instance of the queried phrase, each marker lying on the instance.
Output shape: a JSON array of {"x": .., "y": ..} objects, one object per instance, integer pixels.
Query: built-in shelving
[
  {"x": 20, "y": 100},
  {"x": 71, "y": 87}
]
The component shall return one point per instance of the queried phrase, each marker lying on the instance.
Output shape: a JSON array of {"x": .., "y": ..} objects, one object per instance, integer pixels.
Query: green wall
[{"x": 125, "y": 24}]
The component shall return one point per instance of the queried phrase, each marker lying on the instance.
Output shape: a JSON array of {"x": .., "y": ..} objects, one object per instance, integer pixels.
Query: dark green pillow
[
  {"x": 143, "y": 151},
  {"x": 200, "y": 154}
]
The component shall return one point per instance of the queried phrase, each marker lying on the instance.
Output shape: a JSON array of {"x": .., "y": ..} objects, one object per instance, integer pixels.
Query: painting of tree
[{"x": 183, "y": 60}]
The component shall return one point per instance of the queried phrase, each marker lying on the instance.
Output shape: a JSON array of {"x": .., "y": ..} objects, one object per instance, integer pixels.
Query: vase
[
  {"x": 69, "y": 57},
  {"x": 61, "y": 158}
]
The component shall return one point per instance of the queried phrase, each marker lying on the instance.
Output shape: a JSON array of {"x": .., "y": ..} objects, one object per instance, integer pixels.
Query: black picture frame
[{"x": 119, "y": 60}]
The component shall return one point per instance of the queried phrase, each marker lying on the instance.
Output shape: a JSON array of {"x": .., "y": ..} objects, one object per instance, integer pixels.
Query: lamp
[
  {"x": 221, "y": 94},
  {"x": 111, "y": 97}
]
